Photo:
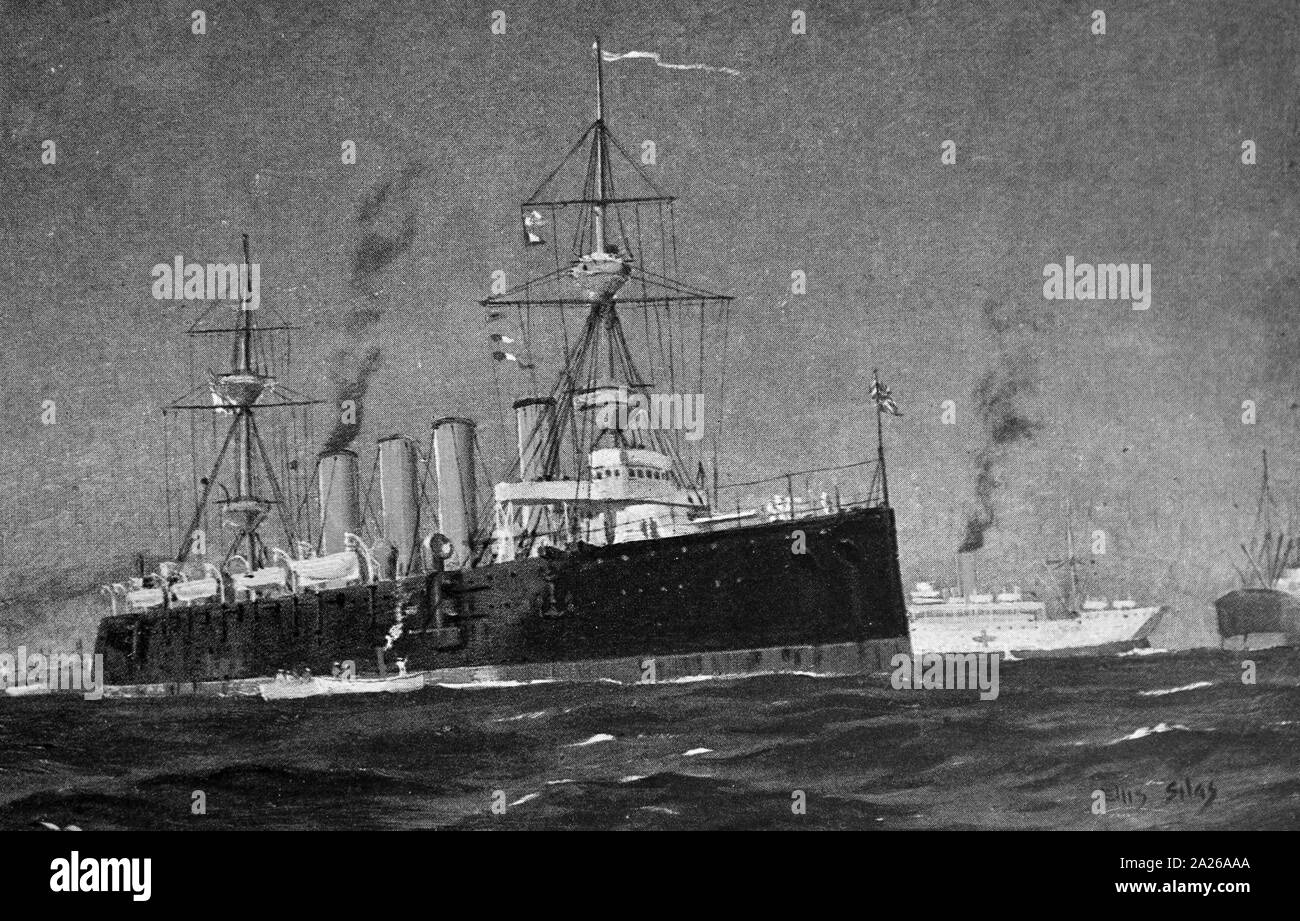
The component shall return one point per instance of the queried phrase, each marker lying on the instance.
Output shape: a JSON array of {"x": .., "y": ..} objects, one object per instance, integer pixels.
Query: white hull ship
[
  {"x": 964, "y": 620},
  {"x": 1019, "y": 628}
]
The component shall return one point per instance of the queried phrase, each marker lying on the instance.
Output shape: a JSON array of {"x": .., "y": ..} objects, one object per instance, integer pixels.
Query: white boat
[
  {"x": 293, "y": 688},
  {"x": 26, "y": 690}
]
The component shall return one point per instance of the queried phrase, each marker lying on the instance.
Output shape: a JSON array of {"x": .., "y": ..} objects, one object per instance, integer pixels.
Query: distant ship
[
  {"x": 1265, "y": 611},
  {"x": 604, "y": 553},
  {"x": 966, "y": 620}
]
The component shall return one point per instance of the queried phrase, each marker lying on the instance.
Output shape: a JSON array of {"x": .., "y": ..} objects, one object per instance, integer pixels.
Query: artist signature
[{"x": 1181, "y": 792}]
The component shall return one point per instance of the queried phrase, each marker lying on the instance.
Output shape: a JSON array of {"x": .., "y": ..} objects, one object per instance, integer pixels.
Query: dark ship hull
[
  {"x": 730, "y": 590},
  {"x": 1269, "y": 616}
]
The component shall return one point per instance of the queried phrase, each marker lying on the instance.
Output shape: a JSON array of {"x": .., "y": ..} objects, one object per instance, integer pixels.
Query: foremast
[{"x": 244, "y": 390}]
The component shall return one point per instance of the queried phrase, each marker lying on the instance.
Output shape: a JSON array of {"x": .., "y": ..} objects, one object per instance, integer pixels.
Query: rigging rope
[
  {"x": 672, "y": 217},
  {"x": 425, "y": 501},
  {"x": 699, "y": 446},
  {"x": 645, "y": 311},
  {"x": 309, "y": 425},
  {"x": 368, "y": 507},
  {"x": 167, "y": 479},
  {"x": 194, "y": 451},
  {"x": 501, "y": 417},
  {"x": 722, "y": 388}
]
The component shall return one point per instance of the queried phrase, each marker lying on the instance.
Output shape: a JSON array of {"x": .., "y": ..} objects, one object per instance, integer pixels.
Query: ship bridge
[{"x": 628, "y": 494}]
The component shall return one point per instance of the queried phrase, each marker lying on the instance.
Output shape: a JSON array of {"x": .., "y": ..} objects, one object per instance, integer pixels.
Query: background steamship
[
  {"x": 605, "y": 545},
  {"x": 1265, "y": 610},
  {"x": 964, "y": 619}
]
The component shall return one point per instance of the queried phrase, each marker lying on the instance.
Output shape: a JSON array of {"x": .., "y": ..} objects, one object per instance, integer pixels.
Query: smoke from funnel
[
  {"x": 997, "y": 404},
  {"x": 351, "y": 389},
  {"x": 388, "y": 226},
  {"x": 982, "y": 518}
]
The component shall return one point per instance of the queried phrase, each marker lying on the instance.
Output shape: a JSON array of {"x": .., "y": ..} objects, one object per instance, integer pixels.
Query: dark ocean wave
[{"x": 1169, "y": 741}]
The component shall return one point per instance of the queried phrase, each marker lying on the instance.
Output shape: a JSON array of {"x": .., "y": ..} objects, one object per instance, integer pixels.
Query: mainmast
[
  {"x": 623, "y": 247},
  {"x": 1070, "y": 559},
  {"x": 600, "y": 152},
  {"x": 1069, "y": 551},
  {"x": 1269, "y": 553}
]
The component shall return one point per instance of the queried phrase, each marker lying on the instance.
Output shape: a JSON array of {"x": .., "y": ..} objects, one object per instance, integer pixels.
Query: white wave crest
[
  {"x": 1144, "y": 731},
  {"x": 664, "y": 809},
  {"x": 1187, "y": 687},
  {"x": 522, "y": 716},
  {"x": 471, "y": 685},
  {"x": 598, "y": 737}
]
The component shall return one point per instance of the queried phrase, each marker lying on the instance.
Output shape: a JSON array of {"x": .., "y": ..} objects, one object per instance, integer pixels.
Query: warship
[
  {"x": 964, "y": 619},
  {"x": 1265, "y": 611},
  {"x": 604, "y": 553}
]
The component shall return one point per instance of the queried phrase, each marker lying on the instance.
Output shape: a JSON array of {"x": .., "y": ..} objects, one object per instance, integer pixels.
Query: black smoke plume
[
  {"x": 386, "y": 219},
  {"x": 981, "y": 519},
  {"x": 352, "y": 388},
  {"x": 997, "y": 396}
]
